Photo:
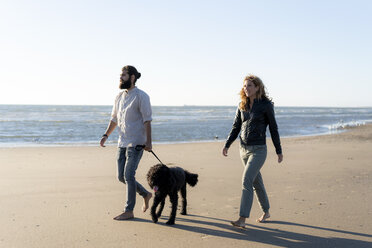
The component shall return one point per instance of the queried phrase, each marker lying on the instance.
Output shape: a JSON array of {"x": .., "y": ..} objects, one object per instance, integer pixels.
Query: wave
[{"x": 343, "y": 125}]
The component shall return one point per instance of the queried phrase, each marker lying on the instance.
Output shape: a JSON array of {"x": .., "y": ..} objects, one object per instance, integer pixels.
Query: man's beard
[{"x": 125, "y": 84}]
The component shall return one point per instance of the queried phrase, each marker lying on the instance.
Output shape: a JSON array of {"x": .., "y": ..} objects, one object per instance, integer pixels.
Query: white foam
[{"x": 343, "y": 125}]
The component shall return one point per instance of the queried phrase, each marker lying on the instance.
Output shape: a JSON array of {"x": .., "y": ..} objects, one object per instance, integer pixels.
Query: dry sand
[{"x": 67, "y": 196}]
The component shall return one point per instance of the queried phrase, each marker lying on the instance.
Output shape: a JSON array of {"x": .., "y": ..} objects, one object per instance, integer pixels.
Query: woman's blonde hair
[{"x": 260, "y": 94}]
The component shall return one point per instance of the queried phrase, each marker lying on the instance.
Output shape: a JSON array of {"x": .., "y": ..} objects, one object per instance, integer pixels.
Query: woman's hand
[
  {"x": 280, "y": 158},
  {"x": 225, "y": 151}
]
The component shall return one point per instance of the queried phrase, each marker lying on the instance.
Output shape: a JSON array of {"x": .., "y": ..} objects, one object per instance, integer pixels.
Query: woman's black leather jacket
[{"x": 252, "y": 125}]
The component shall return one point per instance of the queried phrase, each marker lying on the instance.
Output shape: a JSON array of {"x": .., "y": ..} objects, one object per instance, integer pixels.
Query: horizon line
[{"x": 184, "y": 105}]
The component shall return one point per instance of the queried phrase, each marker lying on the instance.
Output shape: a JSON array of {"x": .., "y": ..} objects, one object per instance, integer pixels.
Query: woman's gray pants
[{"x": 253, "y": 158}]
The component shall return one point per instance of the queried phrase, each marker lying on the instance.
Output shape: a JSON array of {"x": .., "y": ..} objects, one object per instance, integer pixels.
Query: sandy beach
[{"x": 320, "y": 196}]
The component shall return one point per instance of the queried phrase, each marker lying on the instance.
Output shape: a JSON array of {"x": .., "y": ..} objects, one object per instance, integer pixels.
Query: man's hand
[
  {"x": 111, "y": 127},
  {"x": 148, "y": 147},
  {"x": 103, "y": 140}
]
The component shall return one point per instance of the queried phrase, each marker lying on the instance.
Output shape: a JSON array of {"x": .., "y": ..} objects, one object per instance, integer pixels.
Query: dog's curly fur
[{"x": 168, "y": 181}]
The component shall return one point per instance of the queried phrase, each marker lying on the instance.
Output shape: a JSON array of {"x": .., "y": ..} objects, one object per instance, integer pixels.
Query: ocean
[{"x": 57, "y": 125}]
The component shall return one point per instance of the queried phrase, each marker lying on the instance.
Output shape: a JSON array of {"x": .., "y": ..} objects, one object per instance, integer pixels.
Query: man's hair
[{"x": 132, "y": 71}]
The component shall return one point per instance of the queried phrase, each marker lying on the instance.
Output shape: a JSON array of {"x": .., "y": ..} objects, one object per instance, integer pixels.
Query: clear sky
[{"x": 308, "y": 53}]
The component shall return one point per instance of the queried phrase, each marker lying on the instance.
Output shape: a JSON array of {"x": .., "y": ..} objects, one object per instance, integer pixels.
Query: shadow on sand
[{"x": 270, "y": 236}]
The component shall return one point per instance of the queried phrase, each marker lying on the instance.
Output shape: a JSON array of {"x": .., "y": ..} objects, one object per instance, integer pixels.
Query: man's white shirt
[{"x": 130, "y": 112}]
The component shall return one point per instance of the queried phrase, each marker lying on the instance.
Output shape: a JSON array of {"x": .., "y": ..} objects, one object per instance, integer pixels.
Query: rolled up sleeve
[
  {"x": 145, "y": 108},
  {"x": 114, "y": 112}
]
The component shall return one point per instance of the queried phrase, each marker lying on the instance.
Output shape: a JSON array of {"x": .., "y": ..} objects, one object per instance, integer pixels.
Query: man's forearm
[
  {"x": 111, "y": 127},
  {"x": 148, "y": 132}
]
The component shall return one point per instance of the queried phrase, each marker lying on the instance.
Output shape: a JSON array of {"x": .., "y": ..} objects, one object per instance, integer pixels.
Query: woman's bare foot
[
  {"x": 263, "y": 218},
  {"x": 125, "y": 216},
  {"x": 146, "y": 200}
]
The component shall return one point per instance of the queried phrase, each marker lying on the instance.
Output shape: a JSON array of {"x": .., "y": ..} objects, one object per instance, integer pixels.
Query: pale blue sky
[{"x": 308, "y": 53}]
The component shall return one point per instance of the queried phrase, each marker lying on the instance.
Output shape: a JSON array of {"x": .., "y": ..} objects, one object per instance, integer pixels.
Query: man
[{"x": 132, "y": 114}]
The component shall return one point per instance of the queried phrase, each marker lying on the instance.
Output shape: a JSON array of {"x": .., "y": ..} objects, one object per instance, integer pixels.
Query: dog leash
[
  {"x": 156, "y": 156},
  {"x": 143, "y": 146}
]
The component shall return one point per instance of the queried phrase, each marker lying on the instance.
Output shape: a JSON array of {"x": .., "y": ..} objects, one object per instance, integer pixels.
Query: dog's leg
[
  {"x": 174, "y": 200},
  {"x": 157, "y": 200},
  {"x": 184, "y": 201},
  {"x": 160, "y": 210}
]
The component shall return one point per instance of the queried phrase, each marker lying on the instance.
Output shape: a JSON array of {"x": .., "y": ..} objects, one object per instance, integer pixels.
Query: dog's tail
[{"x": 191, "y": 178}]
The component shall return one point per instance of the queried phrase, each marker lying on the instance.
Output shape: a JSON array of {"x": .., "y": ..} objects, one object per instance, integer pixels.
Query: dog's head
[{"x": 158, "y": 177}]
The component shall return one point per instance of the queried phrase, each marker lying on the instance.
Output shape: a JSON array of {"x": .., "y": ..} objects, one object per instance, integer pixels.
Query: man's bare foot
[
  {"x": 146, "y": 200},
  {"x": 238, "y": 224},
  {"x": 263, "y": 218},
  {"x": 125, "y": 216}
]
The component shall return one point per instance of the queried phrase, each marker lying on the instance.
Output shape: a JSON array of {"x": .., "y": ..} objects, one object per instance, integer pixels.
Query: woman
[{"x": 254, "y": 113}]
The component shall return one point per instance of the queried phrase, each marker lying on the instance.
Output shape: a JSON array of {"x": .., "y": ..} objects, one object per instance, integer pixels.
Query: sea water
[{"x": 51, "y": 125}]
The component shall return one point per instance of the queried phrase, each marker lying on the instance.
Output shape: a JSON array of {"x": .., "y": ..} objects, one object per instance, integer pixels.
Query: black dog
[{"x": 168, "y": 181}]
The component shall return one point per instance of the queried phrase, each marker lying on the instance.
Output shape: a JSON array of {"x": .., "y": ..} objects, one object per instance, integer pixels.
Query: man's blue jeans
[{"x": 128, "y": 160}]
